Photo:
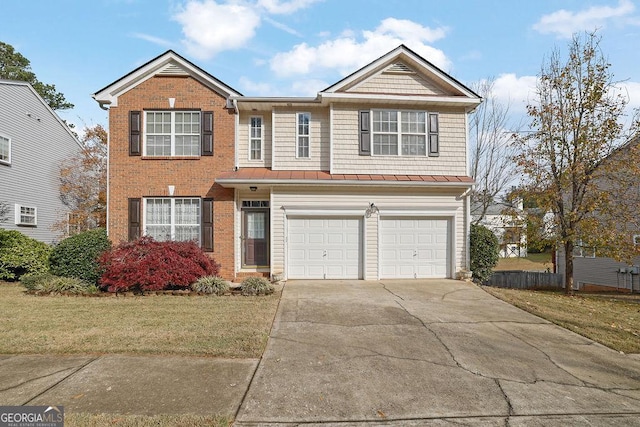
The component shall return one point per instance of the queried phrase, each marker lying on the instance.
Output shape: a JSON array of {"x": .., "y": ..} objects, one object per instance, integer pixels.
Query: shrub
[
  {"x": 48, "y": 283},
  {"x": 256, "y": 286},
  {"x": 77, "y": 256},
  {"x": 484, "y": 248},
  {"x": 148, "y": 265},
  {"x": 211, "y": 285},
  {"x": 20, "y": 255}
]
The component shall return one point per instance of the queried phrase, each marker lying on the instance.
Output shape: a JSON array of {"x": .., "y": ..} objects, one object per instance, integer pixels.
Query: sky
[{"x": 299, "y": 47}]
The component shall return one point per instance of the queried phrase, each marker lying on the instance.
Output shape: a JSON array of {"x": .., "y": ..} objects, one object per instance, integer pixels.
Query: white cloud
[
  {"x": 283, "y": 27},
  {"x": 632, "y": 90},
  {"x": 564, "y": 23},
  {"x": 279, "y": 7},
  {"x": 251, "y": 88},
  {"x": 210, "y": 27},
  {"x": 155, "y": 40},
  {"x": 308, "y": 87},
  {"x": 515, "y": 91},
  {"x": 349, "y": 52}
]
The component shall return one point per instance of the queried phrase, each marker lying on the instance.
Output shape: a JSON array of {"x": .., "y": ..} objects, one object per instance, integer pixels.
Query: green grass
[
  {"x": 229, "y": 326},
  {"x": 610, "y": 320}
]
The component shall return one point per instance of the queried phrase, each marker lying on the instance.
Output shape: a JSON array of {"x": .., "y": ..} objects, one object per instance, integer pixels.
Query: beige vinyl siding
[
  {"x": 346, "y": 158},
  {"x": 243, "y": 140},
  {"x": 398, "y": 84},
  {"x": 414, "y": 201},
  {"x": 284, "y": 140}
]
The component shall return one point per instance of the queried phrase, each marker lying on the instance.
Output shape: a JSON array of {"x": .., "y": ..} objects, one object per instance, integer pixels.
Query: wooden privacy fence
[{"x": 525, "y": 280}]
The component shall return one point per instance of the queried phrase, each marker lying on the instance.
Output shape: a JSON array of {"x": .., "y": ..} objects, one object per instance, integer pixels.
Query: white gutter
[{"x": 341, "y": 182}]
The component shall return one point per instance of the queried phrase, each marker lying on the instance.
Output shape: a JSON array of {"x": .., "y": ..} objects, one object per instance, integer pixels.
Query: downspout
[{"x": 235, "y": 133}]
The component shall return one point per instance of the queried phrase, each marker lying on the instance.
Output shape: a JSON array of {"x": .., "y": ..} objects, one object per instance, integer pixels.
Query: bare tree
[
  {"x": 4, "y": 211},
  {"x": 492, "y": 149},
  {"x": 578, "y": 162}
]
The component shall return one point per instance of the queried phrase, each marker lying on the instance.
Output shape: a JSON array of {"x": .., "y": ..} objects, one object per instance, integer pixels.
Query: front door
[{"x": 255, "y": 233}]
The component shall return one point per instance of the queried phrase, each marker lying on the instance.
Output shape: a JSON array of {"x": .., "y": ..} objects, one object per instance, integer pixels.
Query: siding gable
[{"x": 398, "y": 79}]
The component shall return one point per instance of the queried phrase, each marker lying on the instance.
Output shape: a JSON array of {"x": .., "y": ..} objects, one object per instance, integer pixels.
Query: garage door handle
[
  {"x": 324, "y": 253},
  {"x": 415, "y": 253}
]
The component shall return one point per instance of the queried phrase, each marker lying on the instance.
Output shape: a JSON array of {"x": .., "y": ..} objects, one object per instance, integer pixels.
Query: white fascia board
[
  {"x": 448, "y": 100},
  {"x": 324, "y": 211},
  {"x": 447, "y": 211},
  {"x": 109, "y": 95}
]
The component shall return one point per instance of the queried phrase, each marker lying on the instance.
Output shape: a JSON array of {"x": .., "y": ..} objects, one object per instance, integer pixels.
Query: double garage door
[{"x": 332, "y": 248}]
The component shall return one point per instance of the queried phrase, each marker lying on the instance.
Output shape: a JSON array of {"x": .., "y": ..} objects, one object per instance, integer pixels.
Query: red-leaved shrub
[{"x": 148, "y": 265}]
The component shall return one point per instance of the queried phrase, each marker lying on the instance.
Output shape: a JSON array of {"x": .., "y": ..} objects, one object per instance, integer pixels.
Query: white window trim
[
  {"x": 399, "y": 133},
  {"x": 8, "y": 161},
  {"x": 298, "y": 114},
  {"x": 18, "y": 215},
  {"x": 261, "y": 139},
  {"x": 173, "y": 216},
  {"x": 173, "y": 132}
]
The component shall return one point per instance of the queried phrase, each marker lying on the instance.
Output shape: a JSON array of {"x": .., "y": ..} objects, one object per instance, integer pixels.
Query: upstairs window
[
  {"x": 26, "y": 215},
  {"x": 172, "y": 133},
  {"x": 303, "y": 135},
  {"x": 404, "y": 133},
  {"x": 255, "y": 138},
  {"x": 5, "y": 150}
]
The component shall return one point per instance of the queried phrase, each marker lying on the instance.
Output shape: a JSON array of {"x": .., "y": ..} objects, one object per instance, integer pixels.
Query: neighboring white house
[
  {"x": 508, "y": 223},
  {"x": 33, "y": 143}
]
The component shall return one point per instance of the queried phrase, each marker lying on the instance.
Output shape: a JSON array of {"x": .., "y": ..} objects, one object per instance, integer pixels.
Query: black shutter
[
  {"x": 134, "y": 133},
  {"x": 134, "y": 219},
  {"x": 365, "y": 133},
  {"x": 434, "y": 143},
  {"x": 207, "y": 225},
  {"x": 207, "y": 133}
]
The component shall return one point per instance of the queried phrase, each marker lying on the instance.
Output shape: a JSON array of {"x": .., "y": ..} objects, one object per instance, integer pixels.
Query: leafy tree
[
  {"x": 577, "y": 163},
  {"x": 83, "y": 184},
  {"x": 14, "y": 66},
  {"x": 492, "y": 149},
  {"x": 483, "y": 248}
]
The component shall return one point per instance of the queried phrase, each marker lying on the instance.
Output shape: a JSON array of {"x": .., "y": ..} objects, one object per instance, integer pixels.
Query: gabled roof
[
  {"x": 404, "y": 59},
  {"x": 44, "y": 103},
  {"x": 399, "y": 60},
  {"x": 170, "y": 64}
]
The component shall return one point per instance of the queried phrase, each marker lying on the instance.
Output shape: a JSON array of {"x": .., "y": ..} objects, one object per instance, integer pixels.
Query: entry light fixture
[
  {"x": 371, "y": 209},
  {"x": 253, "y": 188}
]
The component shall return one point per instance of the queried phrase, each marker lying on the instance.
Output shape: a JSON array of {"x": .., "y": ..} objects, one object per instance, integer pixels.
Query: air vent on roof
[
  {"x": 399, "y": 67},
  {"x": 172, "y": 70}
]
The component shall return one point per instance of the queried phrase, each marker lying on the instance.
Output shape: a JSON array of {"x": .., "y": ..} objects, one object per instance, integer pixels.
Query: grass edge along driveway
[{"x": 610, "y": 320}]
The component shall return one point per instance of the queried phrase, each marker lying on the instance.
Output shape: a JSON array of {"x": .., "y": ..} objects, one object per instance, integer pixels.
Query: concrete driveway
[{"x": 433, "y": 352}]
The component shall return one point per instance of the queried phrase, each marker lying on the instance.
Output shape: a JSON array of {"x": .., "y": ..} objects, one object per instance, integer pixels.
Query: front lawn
[
  {"x": 228, "y": 326},
  {"x": 610, "y": 320}
]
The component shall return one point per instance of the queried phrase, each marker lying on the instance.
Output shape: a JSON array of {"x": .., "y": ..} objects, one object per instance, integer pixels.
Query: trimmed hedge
[
  {"x": 484, "y": 249},
  {"x": 20, "y": 255},
  {"x": 148, "y": 265},
  {"x": 77, "y": 256}
]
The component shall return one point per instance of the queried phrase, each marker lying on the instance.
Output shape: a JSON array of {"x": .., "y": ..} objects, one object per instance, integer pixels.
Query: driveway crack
[{"x": 390, "y": 291}]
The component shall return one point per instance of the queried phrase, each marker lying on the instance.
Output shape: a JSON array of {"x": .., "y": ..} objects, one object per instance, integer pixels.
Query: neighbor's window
[
  {"x": 26, "y": 215},
  {"x": 401, "y": 132},
  {"x": 172, "y": 133},
  {"x": 5, "y": 150},
  {"x": 303, "y": 135},
  {"x": 255, "y": 138},
  {"x": 172, "y": 219}
]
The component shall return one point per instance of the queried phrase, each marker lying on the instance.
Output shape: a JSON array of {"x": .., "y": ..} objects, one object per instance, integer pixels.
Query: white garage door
[
  {"x": 414, "y": 248},
  {"x": 324, "y": 248}
]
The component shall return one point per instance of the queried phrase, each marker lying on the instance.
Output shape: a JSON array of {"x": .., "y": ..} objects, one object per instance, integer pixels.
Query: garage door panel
[
  {"x": 331, "y": 247},
  {"x": 414, "y": 247}
]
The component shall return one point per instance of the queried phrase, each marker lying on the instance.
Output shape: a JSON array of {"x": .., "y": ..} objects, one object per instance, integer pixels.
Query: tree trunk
[{"x": 568, "y": 267}]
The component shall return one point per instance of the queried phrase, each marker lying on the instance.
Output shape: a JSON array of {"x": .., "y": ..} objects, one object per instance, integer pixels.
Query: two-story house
[
  {"x": 367, "y": 180},
  {"x": 33, "y": 144}
]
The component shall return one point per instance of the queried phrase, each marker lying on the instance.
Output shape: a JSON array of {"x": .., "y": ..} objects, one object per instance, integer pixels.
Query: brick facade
[{"x": 139, "y": 176}]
